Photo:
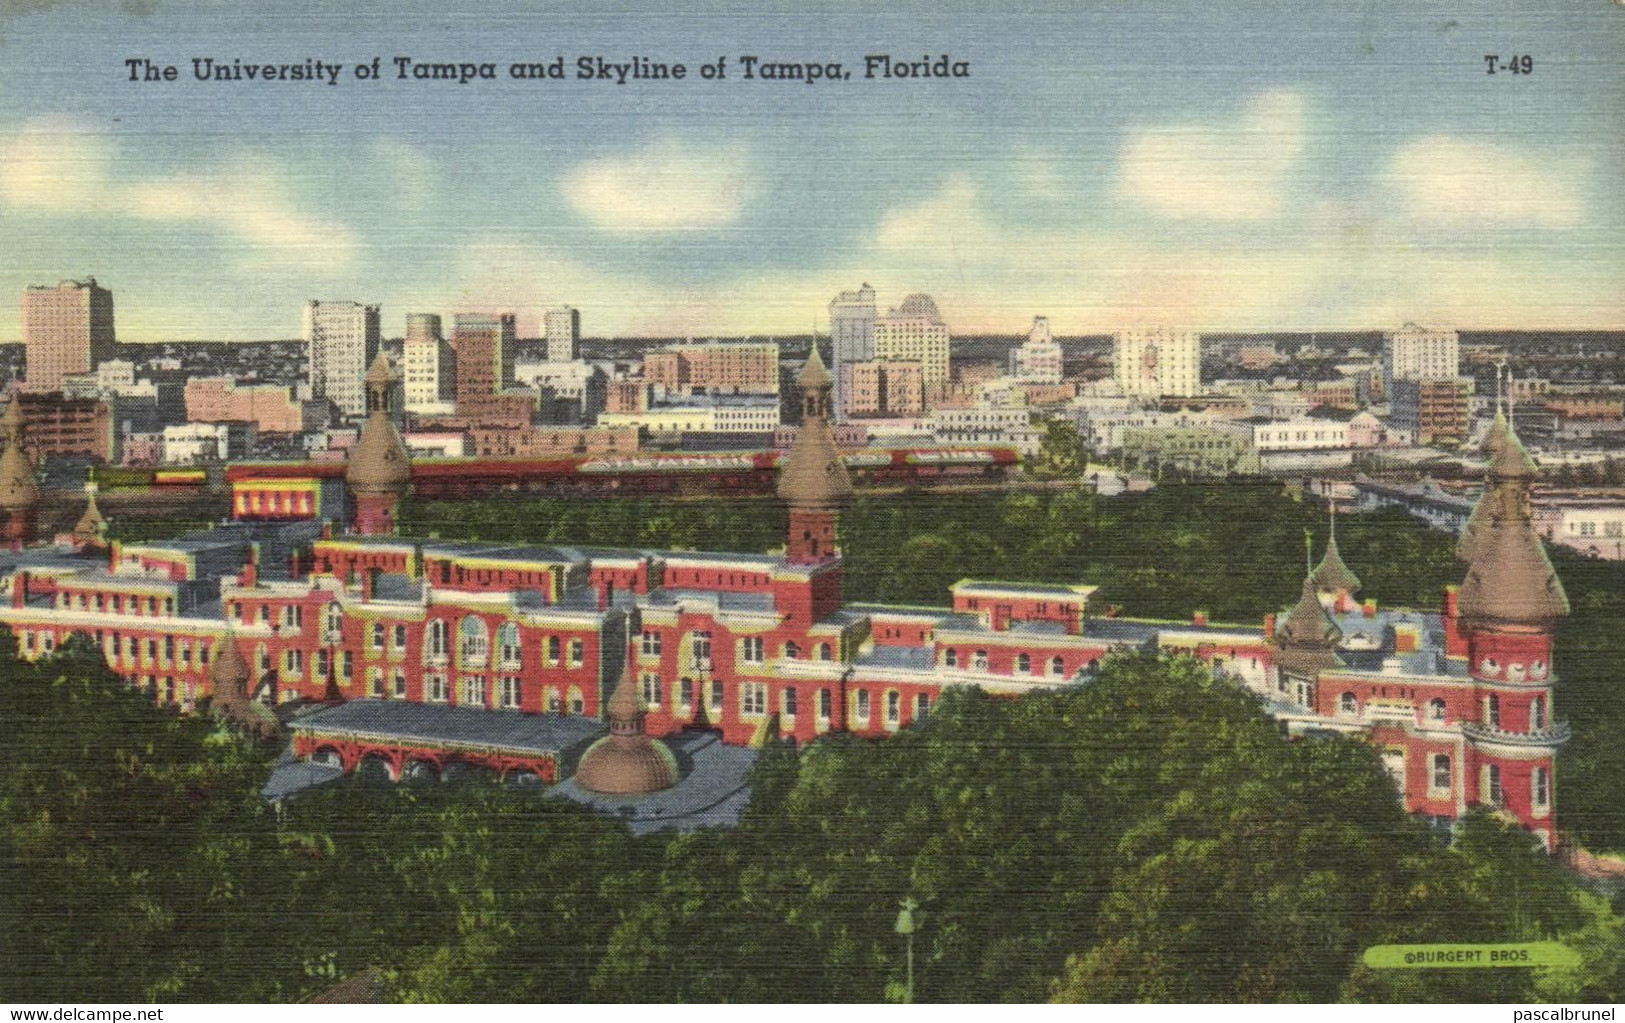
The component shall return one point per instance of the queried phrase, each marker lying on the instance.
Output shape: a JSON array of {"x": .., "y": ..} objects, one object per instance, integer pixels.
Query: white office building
[
  {"x": 341, "y": 339},
  {"x": 1149, "y": 364}
]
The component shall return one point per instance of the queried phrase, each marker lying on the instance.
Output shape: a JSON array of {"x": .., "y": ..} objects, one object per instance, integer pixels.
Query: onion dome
[
  {"x": 1308, "y": 639},
  {"x": 1510, "y": 582},
  {"x": 1333, "y": 575},
  {"x": 19, "y": 489},
  {"x": 812, "y": 474},
  {"x": 229, "y": 672},
  {"x": 380, "y": 463},
  {"x": 626, "y": 762},
  {"x": 89, "y": 528}
]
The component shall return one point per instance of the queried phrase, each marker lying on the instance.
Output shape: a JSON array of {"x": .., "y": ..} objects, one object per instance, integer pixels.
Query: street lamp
[{"x": 906, "y": 926}]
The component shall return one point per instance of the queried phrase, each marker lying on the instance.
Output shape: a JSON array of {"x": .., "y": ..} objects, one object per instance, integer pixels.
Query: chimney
[
  {"x": 19, "y": 588},
  {"x": 1369, "y": 608},
  {"x": 249, "y": 576},
  {"x": 1269, "y": 625},
  {"x": 606, "y": 595},
  {"x": 1341, "y": 603},
  {"x": 1001, "y": 618},
  {"x": 1449, "y": 605},
  {"x": 1199, "y": 618}
]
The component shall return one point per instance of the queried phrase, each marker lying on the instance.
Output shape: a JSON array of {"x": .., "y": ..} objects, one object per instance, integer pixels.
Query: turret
[
  {"x": 87, "y": 532},
  {"x": 626, "y": 762},
  {"x": 813, "y": 480},
  {"x": 1334, "y": 580},
  {"x": 380, "y": 469},
  {"x": 19, "y": 490},
  {"x": 1308, "y": 639}
]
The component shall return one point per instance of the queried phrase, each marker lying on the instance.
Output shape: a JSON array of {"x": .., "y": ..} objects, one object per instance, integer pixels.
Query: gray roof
[
  {"x": 1058, "y": 589},
  {"x": 917, "y": 658},
  {"x": 396, "y": 586},
  {"x": 723, "y": 599},
  {"x": 1122, "y": 631},
  {"x": 435, "y": 723}
]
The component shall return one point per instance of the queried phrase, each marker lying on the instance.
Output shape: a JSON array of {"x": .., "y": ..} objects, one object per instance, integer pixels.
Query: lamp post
[{"x": 906, "y": 926}]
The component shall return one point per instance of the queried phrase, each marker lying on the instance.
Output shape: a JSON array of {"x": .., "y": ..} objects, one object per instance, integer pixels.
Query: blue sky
[{"x": 1261, "y": 166}]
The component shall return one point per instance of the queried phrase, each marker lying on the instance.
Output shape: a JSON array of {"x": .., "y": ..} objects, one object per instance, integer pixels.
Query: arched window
[
  {"x": 825, "y": 653},
  {"x": 1347, "y": 704},
  {"x": 508, "y": 645},
  {"x": 1436, "y": 710},
  {"x": 554, "y": 703},
  {"x": 434, "y": 640},
  {"x": 473, "y": 642},
  {"x": 1441, "y": 772},
  {"x": 1057, "y": 666},
  {"x": 1024, "y": 663},
  {"x": 894, "y": 706},
  {"x": 979, "y": 660},
  {"x": 1492, "y": 711},
  {"x": 791, "y": 651},
  {"x": 950, "y": 657},
  {"x": 335, "y": 622},
  {"x": 577, "y": 705},
  {"x": 377, "y": 635},
  {"x": 1540, "y": 789},
  {"x": 1537, "y": 715}
]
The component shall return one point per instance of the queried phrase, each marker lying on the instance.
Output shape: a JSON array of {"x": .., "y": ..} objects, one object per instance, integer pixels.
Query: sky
[{"x": 1218, "y": 167}]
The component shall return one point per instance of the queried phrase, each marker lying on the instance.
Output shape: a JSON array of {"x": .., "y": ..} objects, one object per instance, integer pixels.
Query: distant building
[
  {"x": 484, "y": 348},
  {"x": 200, "y": 443},
  {"x": 1432, "y": 411},
  {"x": 429, "y": 365},
  {"x": 552, "y": 441},
  {"x": 1204, "y": 451},
  {"x": 876, "y": 388},
  {"x": 714, "y": 367},
  {"x": 270, "y": 407},
  {"x": 341, "y": 339},
  {"x": 561, "y": 330},
  {"x": 67, "y": 329},
  {"x": 627, "y": 394},
  {"x": 715, "y": 413},
  {"x": 851, "y": 335},
  {"x": 1039, "y": 359},
  {"x": 571, "y": 393},
  {"x": 66, "y": 427},
  {"x": 1418, "y": 353},
  {"x": 914, "y": 332},
  {"x": 987, "y": 425},
  {"x": 1149, "y": 364}
]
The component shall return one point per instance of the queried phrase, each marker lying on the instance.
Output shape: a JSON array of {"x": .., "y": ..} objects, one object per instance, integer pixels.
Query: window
[
  {"x": 791, "y": 651},
  {"x": 750, "y": 649},
  {"x": 554, "y": 703},
  {"x": 262, "y": 657},
  {"x": 577, "y": 704},
  {"x": 1024, "y": 663},
  {"x": 1436, "y": 710},
  {"x": 473, "y": 694},
  {"x": 434, "y": 688},
  {"x": 377, "y": 634},
  {"x": 894, "y": 707},
  {"x": 552, "y": 650},
  {"x": 375, "y": 682},
  {"x": 1441, "y": 772},
  {"x": 434, "y": 641},
  {"x": 508, "y": 645},
  {"x": 789, "y": 703},
  {"x": 1057, "y": 666},
  {"x": 651, "y": 689},
  {"x": 825, "y": 653},
  {"x": 400, "y": 637},
  {"x": 1540, "y": 789},
  {"x": 922, "y": 706},
  {"x": 685, "y": 691},
  {"x": 346, "y": 666},
  {"x": 474, "y": 642},
  {"x": 400, "y": 684},
  {"x": 979, "y": 661},
  {"x": 293, "y": 616},
  {"x": 265, "y": 614},
  {"x": 1537, "y": 715},
  {"x": 577, "y": 653},
  {"x": 1347, "y": 704},
  {"x": 752, "y": 699},
  {"x": 862, "y": 709},
  {"x": 1493, "y": 793},
  {"x": 702, "y": 650},
  {"x": 716, "y": 695},
  {"x": 335, "y": 623},
  {"x": 651, "y": 643},
  {"x": 510, "y": 692},
  {"x": 823, "y": 704}
]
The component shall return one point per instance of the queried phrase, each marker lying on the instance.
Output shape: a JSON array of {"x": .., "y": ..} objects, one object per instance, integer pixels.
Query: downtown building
[
  {"x": 915, "y": 332},
  {"x": 1155, "y": 363},
  {"x": 851, "y": 339},
  {"x": 333, "y": 607},
  {"x": 341, "y": 338},
  {"x": 67, "y": 329}
]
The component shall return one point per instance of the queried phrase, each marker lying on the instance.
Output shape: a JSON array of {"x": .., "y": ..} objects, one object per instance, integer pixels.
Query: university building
[{"x": 288, "y": 613}]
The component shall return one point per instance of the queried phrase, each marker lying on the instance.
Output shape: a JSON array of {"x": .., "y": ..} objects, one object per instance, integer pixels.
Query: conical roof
[
  {"x": 1509, "y": 460},
  {"x": 380, "y": 463},
  {"x": 626, "y": 762},
  {"x": 1333, "y": 575},
  {"x": 1510, "y": 580},
  {"x": 228, "y": 671},
  {"x": 813, "y": 374},
  {"x": 19, "y": 489},
  {"x": 812, "y": 474},
  {"x": 1308, "y": 639},
  {"x": 89, "y": 527}
]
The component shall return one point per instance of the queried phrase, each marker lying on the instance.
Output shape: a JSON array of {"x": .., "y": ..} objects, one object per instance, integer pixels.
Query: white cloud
[
  {"x": 947, "y": 222},
  {"x": 666, "y": 186},
  {"x": 1446, "y": 181},
  {"x": 58, "y": 166},
  {"x": 1229, "y": 172}
]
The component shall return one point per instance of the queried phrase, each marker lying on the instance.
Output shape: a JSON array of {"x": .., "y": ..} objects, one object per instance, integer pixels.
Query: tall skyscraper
[
  {"x": 430, "y": 367},
  {"x": 341, "y": 339},
  {"x": 1419, "y": 354},
  {"x": 1155, "y": 362},
  {"x": 67, "y": 329},
  {"x": 914, "y": 332},
  {"x": 483, "y": 346},
  {"x": 1039, "y": 359},
  {"x": 561, "y": 329},
  {"x": 851, "y": 336}
]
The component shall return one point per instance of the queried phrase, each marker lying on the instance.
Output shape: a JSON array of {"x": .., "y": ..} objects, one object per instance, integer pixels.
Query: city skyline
[{"x": 1110, "y": 169}]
